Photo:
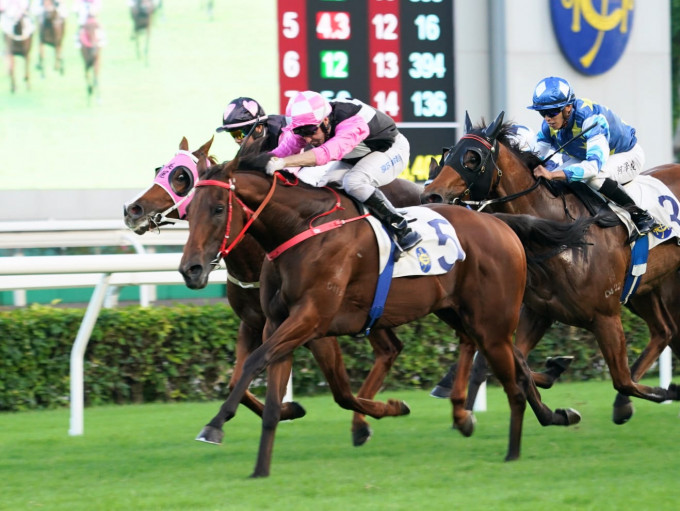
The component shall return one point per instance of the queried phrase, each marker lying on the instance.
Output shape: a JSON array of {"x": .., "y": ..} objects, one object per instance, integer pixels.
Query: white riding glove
[{"x": 273, "y": 165}]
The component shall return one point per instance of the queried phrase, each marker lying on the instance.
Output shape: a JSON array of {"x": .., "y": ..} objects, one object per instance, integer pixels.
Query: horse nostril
[
  {"x": 432, "y": 198},
  {"x": 134, "y": 211}
]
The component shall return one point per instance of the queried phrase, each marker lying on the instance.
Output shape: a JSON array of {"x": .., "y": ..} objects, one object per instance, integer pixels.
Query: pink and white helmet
[{"x": 306, "y": 108}]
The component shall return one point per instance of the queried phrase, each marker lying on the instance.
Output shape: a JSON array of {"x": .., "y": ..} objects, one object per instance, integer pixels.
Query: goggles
[
  {"x": 552, "y": 112},
  {"x": 240, "y": 133},
  {"x": 307, "y": 130}
]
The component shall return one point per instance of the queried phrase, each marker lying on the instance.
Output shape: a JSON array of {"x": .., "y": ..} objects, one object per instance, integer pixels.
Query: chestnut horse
[
  {"x": 325, "y": 285},
  {"x": 484, "y": 167},
  {"x": 51, "y": 31},
  {"x": 156, "y": 207}
]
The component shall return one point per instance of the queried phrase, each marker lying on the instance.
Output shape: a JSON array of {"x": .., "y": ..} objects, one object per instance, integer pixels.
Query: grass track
[{"x": 144, "y": 458}]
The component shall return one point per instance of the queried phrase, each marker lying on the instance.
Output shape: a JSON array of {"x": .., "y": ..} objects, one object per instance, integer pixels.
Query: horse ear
[
  {"x": 204, "y": 149},
  {"x": 184, "y": 144},
  {"x": 203, "y": 163},
  {"x": 492, "y": 131},
  {"x": 468, "y": 123}
]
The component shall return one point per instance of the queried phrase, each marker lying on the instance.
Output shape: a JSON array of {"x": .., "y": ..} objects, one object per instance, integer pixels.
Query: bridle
[
  {"x": 251, "y": 215},
  {"x": 478, "y": 180}
]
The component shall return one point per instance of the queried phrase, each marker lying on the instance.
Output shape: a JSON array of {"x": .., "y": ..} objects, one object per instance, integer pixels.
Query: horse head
[
  {"x": 466, "y": 170},
  {"x": 214, "y": 227},
  {"x": 167, "y": 198}
]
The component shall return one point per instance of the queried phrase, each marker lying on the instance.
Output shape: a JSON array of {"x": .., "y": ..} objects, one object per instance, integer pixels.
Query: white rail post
[{"x": 78, "y": 355}]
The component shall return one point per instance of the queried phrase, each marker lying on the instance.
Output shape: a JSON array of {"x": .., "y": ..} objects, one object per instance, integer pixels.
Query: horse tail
[{"x": 543, "y": 238}]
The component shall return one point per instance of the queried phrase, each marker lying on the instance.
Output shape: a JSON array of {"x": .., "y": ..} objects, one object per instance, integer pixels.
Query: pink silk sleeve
[
  {"x": 289, "y": 143},
  {"x": 348, "y": 134}
]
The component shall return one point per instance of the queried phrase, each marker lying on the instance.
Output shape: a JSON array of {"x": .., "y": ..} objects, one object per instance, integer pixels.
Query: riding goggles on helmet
[
  {"x": 307, "y": 130},
  {"x": 551, "y": 112},
  {"x": 240, "y": 133}
]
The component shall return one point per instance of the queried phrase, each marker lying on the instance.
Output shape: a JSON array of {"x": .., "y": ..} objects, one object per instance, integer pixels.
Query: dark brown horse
[
  {"x": 326, "y": 284},
  {"x": 484, "y": 167},
  {"x": 142, "y": 14},
  {"x": 156, "y": 206},
  {"x": 91, "y": 52},
  {"x": 18, "y": 44},
  {"x": 51, "y": 31}
]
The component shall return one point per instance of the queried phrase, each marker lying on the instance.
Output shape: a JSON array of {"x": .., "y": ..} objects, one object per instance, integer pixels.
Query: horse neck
[
  {"x": 517, "y": 178},
  {"x": 289, "y": 210},
  {"x": 245, "y": 261}
]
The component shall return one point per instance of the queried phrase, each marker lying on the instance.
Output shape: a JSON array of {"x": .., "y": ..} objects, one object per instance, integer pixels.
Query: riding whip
[{"x": 567, "y": 143}]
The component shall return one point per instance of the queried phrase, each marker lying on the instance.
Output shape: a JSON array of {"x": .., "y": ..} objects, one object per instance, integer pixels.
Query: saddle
[{"x": 594, "y": 202}]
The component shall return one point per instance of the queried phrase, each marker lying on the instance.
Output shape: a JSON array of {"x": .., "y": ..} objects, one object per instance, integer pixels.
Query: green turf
[
  {"x": 144, "y": 458},
  {"x": 51, "y": 138}
]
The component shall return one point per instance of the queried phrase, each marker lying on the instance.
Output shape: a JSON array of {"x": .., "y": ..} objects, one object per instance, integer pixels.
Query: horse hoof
[
  {"x": 361, "y": 436},
  {"x": 210, "y": 435},
  {"x": 561, "y": 363},
  {"x": 467, "y": 427},
  {"x": 441, "y": 392},
  {"x": 674, "y": 392},
  {"x": 404, "y": 408},
  {"x": 570, "y": 416},
  {"x": 293, "y": 410},
  {"x": 623, "y": 413}
]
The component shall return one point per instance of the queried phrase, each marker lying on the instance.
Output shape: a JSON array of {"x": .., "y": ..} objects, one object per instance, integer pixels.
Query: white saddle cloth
[
  {"x": 651, "y": 194},
  {"x": 435, "y": 255}
]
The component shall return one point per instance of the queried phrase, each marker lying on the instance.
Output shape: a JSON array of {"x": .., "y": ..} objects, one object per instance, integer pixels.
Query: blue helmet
[{"x": 552, "y": 92}]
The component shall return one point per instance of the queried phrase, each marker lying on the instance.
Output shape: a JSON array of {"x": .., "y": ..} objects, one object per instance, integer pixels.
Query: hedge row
[{"x": 186, "y": 352}]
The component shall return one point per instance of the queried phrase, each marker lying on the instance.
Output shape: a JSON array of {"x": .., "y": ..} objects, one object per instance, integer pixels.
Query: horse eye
[
  {"x": 471, "y": 161},
  {"x": 219, "y": 209}
]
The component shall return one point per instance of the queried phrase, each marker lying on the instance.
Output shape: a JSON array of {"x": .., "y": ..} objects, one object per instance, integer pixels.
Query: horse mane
[{"x": 506, "y": 136}]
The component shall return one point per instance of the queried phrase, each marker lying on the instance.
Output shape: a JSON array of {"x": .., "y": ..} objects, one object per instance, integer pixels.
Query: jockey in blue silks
[{"x": 604, "y": 154}]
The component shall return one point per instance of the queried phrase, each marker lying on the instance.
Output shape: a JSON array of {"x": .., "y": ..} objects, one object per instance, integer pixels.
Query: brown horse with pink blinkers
[
  {"x": 325, "y": 286},
  {"x": 165, "y": 202},
  {"x": 485, "y": 168}
]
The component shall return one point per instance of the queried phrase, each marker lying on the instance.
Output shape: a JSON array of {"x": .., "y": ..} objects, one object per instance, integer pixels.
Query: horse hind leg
[
  {"x": 386, "y": 347},
  {"x": 327, "y": 354}
]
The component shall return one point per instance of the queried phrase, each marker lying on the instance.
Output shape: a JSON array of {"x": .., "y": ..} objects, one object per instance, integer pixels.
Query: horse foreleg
[
  {"x": 277, "y": 376},
  {"x": 247, "y": 341},
  {"x": 612, "y": 343},
  {"x": 499, "y": 354},
  {"x": 530, "y": 331},
  {"x": 545, "y": 416},
  {"x": 284, "y": 340},
  {"x": 656, "y": 309}
]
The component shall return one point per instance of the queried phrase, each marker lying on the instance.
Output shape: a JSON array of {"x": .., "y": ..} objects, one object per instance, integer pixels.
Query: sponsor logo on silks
[
  {"x": 662, "y": 232},
  {"x": 424, "y": 259},
  {"x": 592, "y": 34}
]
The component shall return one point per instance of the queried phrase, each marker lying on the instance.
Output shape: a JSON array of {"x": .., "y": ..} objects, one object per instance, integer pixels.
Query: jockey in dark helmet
[{"x": 245, "y": 115}]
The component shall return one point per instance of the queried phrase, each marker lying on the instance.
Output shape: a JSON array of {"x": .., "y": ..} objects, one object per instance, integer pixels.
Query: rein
[
  {"x": 492, "y": 154},
  {"x": 231, "y": 187}
]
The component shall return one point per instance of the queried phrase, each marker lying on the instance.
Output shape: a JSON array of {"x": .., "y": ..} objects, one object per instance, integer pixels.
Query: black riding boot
[
  {"x": 381, "y": 208},
  {"x": 640, "y": 217}
]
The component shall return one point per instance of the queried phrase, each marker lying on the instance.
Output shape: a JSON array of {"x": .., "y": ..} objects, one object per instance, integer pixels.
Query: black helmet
[{"x": 242, "y": 112}]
